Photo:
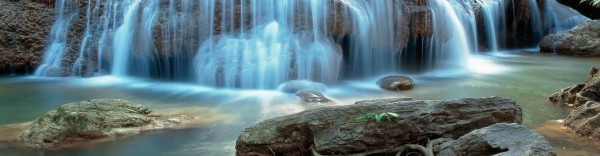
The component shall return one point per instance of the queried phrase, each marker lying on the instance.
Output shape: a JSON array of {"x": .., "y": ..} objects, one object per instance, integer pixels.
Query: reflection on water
[{"x": 529, "y": 78}]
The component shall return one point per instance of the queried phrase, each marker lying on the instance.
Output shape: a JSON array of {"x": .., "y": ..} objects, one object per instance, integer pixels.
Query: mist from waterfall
[{"x": 263, "y": 43}]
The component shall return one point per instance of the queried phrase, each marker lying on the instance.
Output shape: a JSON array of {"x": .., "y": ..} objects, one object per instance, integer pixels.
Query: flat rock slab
[{"x": 335, "y": 130}]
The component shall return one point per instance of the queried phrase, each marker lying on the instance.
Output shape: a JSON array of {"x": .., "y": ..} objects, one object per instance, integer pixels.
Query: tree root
[{"x": 427, "y": 151}]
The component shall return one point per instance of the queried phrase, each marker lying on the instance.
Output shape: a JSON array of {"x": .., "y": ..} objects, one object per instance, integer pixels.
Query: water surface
[{"x": 527, "y": 77}]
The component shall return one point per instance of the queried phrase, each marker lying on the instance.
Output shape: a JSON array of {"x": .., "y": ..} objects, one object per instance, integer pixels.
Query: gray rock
[
  {"x": 396, "y": 83},
  {"x": 298, "y": 85},
  {"x": 312, "y": 96},
  {"x": 500, "y": 139},
  {"x": 585, "y": 120},
  {"x": 581, "y": 41},
  {"x": 92, "y": 119},
  {"x": 336, "y": 130},
  {"x": 580, "y": 94},
  {"x": 566, "y": 96}
]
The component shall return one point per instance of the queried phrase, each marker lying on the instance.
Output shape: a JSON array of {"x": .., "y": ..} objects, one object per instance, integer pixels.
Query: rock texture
[
  {"x": 581, "y": 41},
  {"x": 298, "y": 85},
  {"x": 24, "y": 28},
  {"x": 580, "y": 94},
  {"x": 91, "y": 119},
  {"x": 499, "y": 139},
  {"x": 312, "y": 96},
  {"x": 335, "y": 130},
  {"x": 585, "y": 120},
  {"x": 396, "y": 83}
]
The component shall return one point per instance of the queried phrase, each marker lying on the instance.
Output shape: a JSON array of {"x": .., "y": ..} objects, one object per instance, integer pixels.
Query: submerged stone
[{"x": 298, "y": 85}]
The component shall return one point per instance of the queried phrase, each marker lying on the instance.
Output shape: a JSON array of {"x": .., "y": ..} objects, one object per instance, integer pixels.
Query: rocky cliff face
[{"x": 24, "y": 29}]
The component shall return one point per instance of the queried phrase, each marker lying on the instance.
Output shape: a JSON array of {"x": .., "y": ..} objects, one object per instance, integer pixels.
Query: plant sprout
[{"x": 377, "y": 116}]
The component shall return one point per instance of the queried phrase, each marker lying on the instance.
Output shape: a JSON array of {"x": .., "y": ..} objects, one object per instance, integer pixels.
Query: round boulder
[{"x": 396, "y": 83}]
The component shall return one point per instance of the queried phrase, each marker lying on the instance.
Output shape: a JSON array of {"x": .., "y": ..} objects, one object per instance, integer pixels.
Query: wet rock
[
  {"x": 312, "y": 96},
  {"x": 581, "y": 41},
  {"x": 499, "y": 139},
  {"x": 585, "y": 120},
  {"x": 298, "y": 85},
  {"x": 24, "y": 29},
  {"x": 336, "y": 130},
  {"x": 396, "y": 83},
  {"x": 580, "y": 94},
  {"x": 567, "y": 95},
  {"x": 92, "y": 119}
]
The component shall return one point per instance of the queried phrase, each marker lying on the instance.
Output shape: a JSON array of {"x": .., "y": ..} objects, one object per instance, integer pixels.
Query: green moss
[
  {"x": 39, "y": 120},
  {"x": 61, "y": 113}
]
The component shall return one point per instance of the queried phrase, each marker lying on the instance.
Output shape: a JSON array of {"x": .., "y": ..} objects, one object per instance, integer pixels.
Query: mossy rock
[{"x": 85, "y": 119}]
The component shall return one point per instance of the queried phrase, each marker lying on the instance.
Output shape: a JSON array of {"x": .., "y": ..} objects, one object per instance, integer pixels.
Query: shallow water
[{"x": 527, "y": 77}]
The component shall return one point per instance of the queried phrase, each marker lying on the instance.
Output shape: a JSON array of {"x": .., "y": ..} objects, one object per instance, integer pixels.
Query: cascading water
[
  {"x": 58, "y": 38},
  {"x": 263, "y": 43},
  {"x": 560, "y": 17},
  {"x": 493, "y": 12}
]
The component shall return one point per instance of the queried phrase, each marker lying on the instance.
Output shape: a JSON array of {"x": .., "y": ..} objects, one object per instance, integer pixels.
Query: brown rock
[{"x": 396, "y": 83}]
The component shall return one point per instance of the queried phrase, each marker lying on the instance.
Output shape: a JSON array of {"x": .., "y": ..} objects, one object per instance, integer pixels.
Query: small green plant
[{"x": 377, "y": 116}]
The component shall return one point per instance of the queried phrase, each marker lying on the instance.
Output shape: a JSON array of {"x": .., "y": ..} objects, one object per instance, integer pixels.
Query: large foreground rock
[
  {"x": 581, "y": 41},
  {"x": 336, "y": 130},
  {"x": 499, "y": 139},
  {"x": 580, "y": 94},
  {"x": 91, "y": 119}
]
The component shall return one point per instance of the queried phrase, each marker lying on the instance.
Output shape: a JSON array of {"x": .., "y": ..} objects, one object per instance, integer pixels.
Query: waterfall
[
  {"x": 493, "y": 12},
  {"x": 263, "y": 43},
  {"x": 66, "y": 11},
  {"x": 448, "y": 26}
]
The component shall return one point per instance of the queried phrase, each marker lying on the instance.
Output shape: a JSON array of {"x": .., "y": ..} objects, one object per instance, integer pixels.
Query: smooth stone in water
[
  {"x": 312, "y": 96},
  {"x": 396, "y": 83},
  {"x": 298, "y": 85}
]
